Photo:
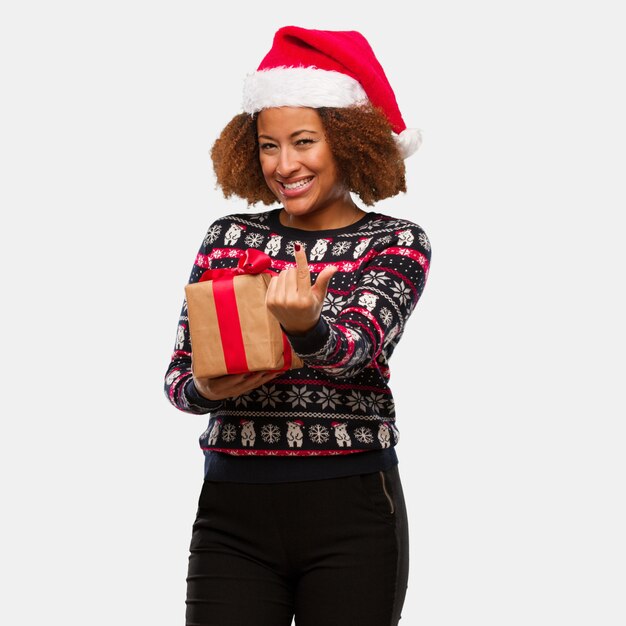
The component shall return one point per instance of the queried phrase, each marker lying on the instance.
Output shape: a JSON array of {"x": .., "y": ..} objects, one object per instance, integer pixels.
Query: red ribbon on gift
[{"x": 253, "y": 261}]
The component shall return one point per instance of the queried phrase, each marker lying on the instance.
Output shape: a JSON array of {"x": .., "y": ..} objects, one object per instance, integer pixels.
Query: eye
[
  {"x": 266, "y": 145},
  {"x": 303, "y": 142}
]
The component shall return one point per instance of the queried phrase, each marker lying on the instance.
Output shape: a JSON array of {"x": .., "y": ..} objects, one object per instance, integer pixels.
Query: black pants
[{"x": 331, "y": 552}]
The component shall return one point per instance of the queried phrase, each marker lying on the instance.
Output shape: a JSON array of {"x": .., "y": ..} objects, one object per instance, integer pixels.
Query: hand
[
  {"x": 291, "y": 298},
  {"x": 232, "y": 385}
]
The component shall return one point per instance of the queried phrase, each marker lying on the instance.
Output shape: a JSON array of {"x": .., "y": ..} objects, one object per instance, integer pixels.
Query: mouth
[{"x": 295, "y": 188}]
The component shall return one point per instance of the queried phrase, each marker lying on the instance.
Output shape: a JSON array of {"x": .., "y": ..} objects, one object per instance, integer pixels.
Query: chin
[{"x": 298, "y": 209}]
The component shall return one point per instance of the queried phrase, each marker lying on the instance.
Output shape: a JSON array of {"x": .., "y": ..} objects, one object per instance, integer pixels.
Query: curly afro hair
[{"x": 360, "y": 139}]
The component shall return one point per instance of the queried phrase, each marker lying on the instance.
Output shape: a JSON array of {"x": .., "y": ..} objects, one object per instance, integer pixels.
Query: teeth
[{"x": 300, "y": 183}]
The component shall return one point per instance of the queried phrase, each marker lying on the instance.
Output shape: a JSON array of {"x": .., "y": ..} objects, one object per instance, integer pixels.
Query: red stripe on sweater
[
  {"x": 350, "y": 349},
  {"x": 204, "y": 260},
  {"x": 412, "y": 254},
  {"x": 247, "y": 452},
  {"x": 370, "y": 317},
  {"x": 177, "y": 385}
]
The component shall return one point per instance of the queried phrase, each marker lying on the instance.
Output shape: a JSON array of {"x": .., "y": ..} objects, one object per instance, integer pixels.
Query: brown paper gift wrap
[{"x": 261, "y": 333}]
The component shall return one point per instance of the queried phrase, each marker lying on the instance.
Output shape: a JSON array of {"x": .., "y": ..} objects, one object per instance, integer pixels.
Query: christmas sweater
[{"x": 339, "y": 402}]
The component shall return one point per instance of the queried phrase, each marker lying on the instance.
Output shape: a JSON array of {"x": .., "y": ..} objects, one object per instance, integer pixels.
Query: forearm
[
  {"x": 341, "y": 350},
  {"x": 181, "y": 391}
]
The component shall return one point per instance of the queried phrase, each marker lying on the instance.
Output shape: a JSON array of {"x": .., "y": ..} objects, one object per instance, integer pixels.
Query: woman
[{"x": 301, "y": 510}]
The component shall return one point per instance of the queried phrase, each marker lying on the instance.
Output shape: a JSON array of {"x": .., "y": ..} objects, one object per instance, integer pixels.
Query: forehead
[{"x": 286, "y": 120}]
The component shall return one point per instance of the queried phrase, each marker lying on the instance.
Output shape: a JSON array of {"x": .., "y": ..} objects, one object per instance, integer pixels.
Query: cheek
[
  {"x": 324, "y": 164},
  {"x": 329, "y": 173}
]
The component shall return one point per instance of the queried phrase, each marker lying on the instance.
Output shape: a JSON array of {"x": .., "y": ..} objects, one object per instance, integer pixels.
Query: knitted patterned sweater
[{"x": 340, "y": 402}]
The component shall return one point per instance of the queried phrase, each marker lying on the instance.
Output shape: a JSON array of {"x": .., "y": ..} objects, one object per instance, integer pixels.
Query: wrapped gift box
[{"x": 232, "y": 331}]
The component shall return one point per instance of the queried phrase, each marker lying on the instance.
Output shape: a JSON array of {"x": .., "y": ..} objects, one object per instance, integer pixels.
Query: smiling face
[{"x": 299, "y": 168}]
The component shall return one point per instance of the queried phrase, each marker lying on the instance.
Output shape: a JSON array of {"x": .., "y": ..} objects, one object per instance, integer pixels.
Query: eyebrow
[{"x": 294, "y": 134}]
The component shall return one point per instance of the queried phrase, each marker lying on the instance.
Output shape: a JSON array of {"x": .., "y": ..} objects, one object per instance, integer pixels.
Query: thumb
[{"x": 321, "y": 284}]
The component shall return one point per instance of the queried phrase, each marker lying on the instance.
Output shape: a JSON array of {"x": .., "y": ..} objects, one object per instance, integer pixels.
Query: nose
[{"x": 287, "y": 163}]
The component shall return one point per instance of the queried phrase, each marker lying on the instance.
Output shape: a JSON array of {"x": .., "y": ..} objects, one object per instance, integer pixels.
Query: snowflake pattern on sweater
[{"x": 340, "y": 401}]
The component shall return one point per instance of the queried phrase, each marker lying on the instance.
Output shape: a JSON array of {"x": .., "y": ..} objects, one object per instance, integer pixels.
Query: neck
[{"x": 323, "y": 219}]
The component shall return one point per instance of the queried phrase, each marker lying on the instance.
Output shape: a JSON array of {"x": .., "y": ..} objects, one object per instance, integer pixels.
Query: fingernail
[{"x": 296, "y": 247}]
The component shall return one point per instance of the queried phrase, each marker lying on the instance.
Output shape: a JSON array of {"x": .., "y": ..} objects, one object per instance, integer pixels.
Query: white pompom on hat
[{"x": 324, "y": 68}]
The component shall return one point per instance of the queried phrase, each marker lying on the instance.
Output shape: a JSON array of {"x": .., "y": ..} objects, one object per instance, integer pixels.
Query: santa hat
[{"x": 324, "y": 68}]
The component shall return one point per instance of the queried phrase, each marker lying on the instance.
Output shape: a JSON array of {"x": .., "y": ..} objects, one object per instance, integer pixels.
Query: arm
[
  {"x": 179, "y": 386},
  {"x": 200, "y": 396},
  {"x": 374, "y": 316}
]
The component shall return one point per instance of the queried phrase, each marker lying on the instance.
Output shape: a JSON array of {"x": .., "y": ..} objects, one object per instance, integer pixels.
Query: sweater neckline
[{"x": 276, "y": 225}]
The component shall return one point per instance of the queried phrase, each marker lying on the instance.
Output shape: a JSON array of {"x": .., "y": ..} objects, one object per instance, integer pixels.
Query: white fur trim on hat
[
  {"x": 300, "y": 87},
  {"x": 408, "y": 141}
]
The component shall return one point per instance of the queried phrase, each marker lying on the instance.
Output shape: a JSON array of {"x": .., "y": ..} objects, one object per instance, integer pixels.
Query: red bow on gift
[{"x": 253, "y": 261}]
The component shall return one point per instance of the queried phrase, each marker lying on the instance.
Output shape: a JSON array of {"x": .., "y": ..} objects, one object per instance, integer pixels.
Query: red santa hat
[{"x": 324, "y": 68}]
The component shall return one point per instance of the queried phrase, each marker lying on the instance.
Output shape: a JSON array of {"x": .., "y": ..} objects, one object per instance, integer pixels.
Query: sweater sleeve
[
  {"x": 374, "y": 316},
  {"x": 179, "y": 387}
]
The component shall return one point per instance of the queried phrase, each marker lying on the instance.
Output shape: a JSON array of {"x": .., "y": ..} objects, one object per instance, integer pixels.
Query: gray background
[{"x": 509, "y": 380}]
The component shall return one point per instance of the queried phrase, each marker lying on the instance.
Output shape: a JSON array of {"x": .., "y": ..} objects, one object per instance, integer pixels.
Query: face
[{"x": 298, "y": 165}]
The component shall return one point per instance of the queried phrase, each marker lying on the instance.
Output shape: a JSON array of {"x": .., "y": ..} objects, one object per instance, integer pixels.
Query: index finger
[{"x": 302, "y": 267}]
